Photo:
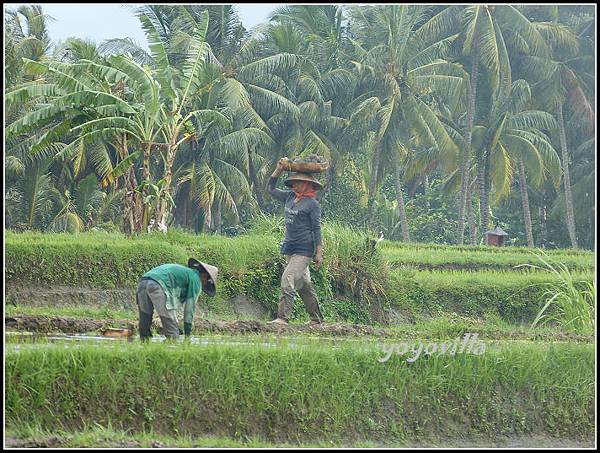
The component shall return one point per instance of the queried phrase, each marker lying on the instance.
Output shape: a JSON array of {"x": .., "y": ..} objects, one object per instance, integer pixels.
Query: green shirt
[{"x": 181, "y": 285}]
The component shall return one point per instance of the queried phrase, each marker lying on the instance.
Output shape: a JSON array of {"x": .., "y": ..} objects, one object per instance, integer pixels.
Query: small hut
[{"x": 496, "y": 236}]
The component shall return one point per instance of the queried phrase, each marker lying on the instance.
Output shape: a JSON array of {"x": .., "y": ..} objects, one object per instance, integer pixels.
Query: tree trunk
[
  {"x": 484, "y": 210},
  {"x": 217, "y": 219},
  {"x": 372, "y": 187},
  {"x": 464, "y": 165},
  {"x": 486, "y": 186},
  {"x": 400, "y": 201},
  {"x": 133, "y": 201},
  {"x": 566, "y": 177},
  {"x": 525, "y": 200},
  {"x": 258, "y": 190},
  {"x": 543, "y": 220},
  {"x": 207, "y": 220},
  {"x": 471, "y": 212},
  {"x": 146, "y": 178},
  {"x": 163, "y": 209}
]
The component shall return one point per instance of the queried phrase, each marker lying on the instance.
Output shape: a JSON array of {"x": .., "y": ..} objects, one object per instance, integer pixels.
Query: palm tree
[
  {"x": 514, "y": 137},
  {"x": 323, "y": 86},
  {"x": 26, "y": 36},
  {"x": 560, "y": 79},
  {"x": 324, "y": 37},
  {"x": 399, "y": 63},
  {"x": 29, "y": 201},
  {"x": 489, "y": 31}
]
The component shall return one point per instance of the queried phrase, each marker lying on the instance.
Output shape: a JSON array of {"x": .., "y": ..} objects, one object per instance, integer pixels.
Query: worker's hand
[
  {"x": 187, "y": 328},
  {"x": 281, "y": 166},
  {"x": 318, "y": 260}
]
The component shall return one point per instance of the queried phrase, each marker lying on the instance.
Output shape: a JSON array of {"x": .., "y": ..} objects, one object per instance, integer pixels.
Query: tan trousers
[{"x": 296, "y": 277}]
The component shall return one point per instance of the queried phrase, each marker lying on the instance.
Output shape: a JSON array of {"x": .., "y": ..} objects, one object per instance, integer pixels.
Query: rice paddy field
[{"x": 423, "y": 345}]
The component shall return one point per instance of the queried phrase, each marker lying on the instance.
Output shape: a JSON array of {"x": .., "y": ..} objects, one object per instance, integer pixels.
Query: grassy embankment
[
  {"x": 307, "y": 393},
  {"x": 357, "y": 284}
]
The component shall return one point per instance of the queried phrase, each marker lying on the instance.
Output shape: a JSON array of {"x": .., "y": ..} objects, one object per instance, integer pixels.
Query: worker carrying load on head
[{"x": 302, "y": 241}]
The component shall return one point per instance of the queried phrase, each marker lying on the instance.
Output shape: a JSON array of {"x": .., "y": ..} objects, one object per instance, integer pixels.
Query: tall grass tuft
[{"x": 569, "y": 302}]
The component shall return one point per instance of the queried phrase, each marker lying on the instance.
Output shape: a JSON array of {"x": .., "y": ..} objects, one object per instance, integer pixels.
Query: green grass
[
  {"x": 308, "y": 393},
  {"x": 505, "y": 250},
  {"x": 74, "y": 312},
  {"x": 95, "y": 437},
  {"x": 515, "y": 297},
  {"x": 472, "y": 257}
]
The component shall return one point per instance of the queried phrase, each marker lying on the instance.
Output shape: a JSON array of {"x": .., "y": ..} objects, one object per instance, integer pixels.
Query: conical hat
[{"x": 212, "y": 271}]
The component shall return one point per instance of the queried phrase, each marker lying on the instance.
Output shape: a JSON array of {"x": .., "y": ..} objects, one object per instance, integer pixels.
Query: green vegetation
[
  {"x": 96, "y": 437},
  {"x": 566, "y": 302},
  {"x": 513, "y": 296},
  {"x": 355, "y": 284},
  {"x": 415, "y": 106},
  {"x": 477, "y": 257},
  {"x": 303, "y": 392},
  {"x": 76, "y": 312}
]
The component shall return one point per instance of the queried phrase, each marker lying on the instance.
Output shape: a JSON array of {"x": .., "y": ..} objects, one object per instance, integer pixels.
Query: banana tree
[
  {"x": 237, "y": 76},
  {"x": 116, "y": 103}
]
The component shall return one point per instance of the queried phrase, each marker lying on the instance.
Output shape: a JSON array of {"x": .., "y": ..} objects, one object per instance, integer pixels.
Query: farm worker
[
  {"x": 302, "y": 242},
  {"x": 167, "y": 287}
]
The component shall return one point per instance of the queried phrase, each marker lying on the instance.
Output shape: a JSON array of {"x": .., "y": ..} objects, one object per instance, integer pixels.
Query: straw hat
[
  {"x": 212, "y": 271},
  {"x": 303, "y": 177}
]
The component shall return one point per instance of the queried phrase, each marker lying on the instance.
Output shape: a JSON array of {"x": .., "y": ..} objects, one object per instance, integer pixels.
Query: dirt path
[{"x": 52, "y": 324}]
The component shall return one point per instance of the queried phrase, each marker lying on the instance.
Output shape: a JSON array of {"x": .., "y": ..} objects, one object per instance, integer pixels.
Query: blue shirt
[{"x": 302, "y": 221}]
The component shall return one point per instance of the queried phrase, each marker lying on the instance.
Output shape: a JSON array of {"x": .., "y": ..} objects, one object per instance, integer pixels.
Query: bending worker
[
  {"x": 169, "y": 286},
  {"x": 302, "y": 242}
]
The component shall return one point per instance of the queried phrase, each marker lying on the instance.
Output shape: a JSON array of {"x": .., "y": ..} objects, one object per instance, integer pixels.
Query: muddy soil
[
  {"x": 115, "y": 299},
  {"x": 521, "y": 441},
  {"x": 56, "y": 441},
  {"x": 51, "y": 324}
]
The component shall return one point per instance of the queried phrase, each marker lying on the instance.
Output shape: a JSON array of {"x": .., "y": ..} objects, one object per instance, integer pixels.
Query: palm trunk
[
  {"x": 133, "y": 201},
  {"x": 543, "y": 221},
  {"x": 207, "y": 220},
  {"x": 486, "y": 186},
  {"x": 484, "y": 209},
  {"x": 163, "y": 209},
  {"x": 400, "y": 201},
  {"x": 471, "y": 213},
  {"x": 566, "y": 177},
  {"x": 255, "y": 185},
  {"x": 217, "y": 219},
  {"x": 464, "y": 171},
  {"x": 525, "y": 200},
  {"x": 372, "y": 187},
  {"x": 133, "y": 206},
  {"x": 146, "y": 177}
]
